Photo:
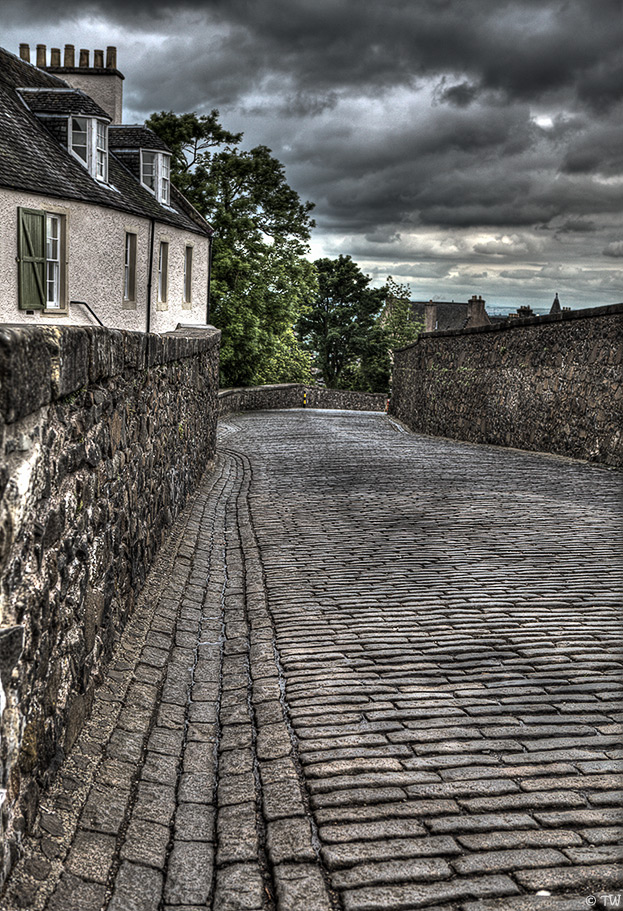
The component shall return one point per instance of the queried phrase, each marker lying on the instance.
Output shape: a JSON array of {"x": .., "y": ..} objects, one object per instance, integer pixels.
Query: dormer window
[
  {"x": 156, "y": 174},
  {"x": 88, "y": 140}
]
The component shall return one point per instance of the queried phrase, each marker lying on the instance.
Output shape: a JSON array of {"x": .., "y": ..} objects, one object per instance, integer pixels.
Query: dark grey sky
[{"x": 462, "y": 146}]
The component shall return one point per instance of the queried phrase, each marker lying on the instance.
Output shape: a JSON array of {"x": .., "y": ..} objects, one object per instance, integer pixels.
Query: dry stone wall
[
  {"x": 297, "y": 395},
  {"x": 551, "y": 384},
  {"x": 103, "y": 434}
]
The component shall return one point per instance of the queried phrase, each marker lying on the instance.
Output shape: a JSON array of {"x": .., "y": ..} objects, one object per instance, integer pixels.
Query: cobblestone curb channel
[
  {"x": 182, "y": 790},
  {"x": 370, "y": 671}
]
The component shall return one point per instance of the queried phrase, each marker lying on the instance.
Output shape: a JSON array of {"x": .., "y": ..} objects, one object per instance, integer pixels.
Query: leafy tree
[
  {"x": 340, "y": 327},
  {"x": 260, "y": 277},
  {"x": 401, "y": 325}
]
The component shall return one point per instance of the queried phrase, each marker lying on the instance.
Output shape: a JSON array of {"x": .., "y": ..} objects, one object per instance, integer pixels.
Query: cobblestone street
[{"x": 370, "y": 670}]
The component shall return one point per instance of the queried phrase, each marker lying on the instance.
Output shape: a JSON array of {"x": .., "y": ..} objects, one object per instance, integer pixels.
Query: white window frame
[
  {"x": 188, "y": 274},
  {"x": 163, "y": 272},
  {"x": 53, "y": 261},
  {"x": 95, "y": 157},
  {"x": 156, "y": 167},
  {"x": 129, "y": 268}
]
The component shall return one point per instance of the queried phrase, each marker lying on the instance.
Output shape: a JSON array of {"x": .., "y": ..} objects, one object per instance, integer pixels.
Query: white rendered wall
[{"x": 95, "y": 267}]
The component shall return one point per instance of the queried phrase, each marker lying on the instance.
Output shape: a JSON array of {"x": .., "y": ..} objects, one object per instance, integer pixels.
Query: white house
[{"x": 91, "y": 228}]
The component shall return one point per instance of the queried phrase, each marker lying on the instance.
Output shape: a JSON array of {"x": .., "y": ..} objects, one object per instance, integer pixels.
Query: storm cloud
[{"x": 463, "y": 146}]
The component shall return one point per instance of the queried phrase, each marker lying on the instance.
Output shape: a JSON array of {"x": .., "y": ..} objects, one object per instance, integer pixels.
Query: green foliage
[
  {"x": 260, "y": 278},
  {"x": 287, "y": 362},
  {"x": 400, "y": 323},
  {"x": 341, "y": 328}
]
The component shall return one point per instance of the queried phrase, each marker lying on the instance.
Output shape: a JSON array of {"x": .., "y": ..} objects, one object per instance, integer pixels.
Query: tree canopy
[
  {"x": 261, "y": 280},
  {"x": 342, "y": 330},
  {"x": 398, "y": 319}
]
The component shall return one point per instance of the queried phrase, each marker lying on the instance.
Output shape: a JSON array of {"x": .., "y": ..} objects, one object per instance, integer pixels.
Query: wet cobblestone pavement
[{"x": 371, "y": 670}]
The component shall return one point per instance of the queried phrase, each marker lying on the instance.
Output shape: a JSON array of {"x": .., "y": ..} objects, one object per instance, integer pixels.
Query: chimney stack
[
  {"x": 24, "y": 52},
  {"x": 430, "y": 316},
  {"x": 476, "y": 313},
  {"x": 102, "y": 82}
]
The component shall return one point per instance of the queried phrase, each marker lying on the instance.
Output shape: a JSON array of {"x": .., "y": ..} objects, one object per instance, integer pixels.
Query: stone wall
[
  {"x": 551, "y": 384},
  {"x": 103, "y": 434},
  {"x": 297, "y": 395}
]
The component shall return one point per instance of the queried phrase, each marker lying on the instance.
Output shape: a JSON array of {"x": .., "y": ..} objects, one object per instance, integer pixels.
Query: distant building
[
  {"x": 91, "y": 228},
  {"x": 444, "y": 315}
]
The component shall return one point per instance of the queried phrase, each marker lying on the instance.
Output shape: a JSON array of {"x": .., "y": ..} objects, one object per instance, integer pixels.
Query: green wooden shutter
[{"x": 31, "y": 259}]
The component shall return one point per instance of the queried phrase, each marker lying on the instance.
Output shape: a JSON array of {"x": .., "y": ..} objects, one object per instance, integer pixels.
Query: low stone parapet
[{"x": 297, "y": 395}]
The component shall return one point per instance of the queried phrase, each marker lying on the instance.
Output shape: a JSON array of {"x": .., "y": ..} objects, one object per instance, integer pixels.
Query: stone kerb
[
  {"x": 297, "y": 395},
  {"x": 103, "y": 435},
  {"x": 550, "y": 384}
]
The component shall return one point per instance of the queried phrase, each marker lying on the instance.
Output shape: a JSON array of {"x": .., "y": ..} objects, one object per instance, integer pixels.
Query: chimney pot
[
  {"x": 84, "y": 57},
  {"x": 41, "y": 54},
  {"x": 24, "y": 52},
  {"x": 98, "y": 59},
  {"x": 70, "y": 55},
  {"x": 111, "y": 58},
  {"x": 55, "y": 56}
]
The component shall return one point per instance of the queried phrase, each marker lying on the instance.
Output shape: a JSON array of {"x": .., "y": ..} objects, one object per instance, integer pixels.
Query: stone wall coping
[
  {"x": 522, "y": 322},
  {"x": 40, "y": 364},
  {"x": 269, "y": 386}
]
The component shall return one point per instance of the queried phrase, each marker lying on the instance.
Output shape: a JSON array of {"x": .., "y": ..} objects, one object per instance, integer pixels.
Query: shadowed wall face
[
  {"x": 104, "y": 434},
  {"x": 551, "y": 384}
]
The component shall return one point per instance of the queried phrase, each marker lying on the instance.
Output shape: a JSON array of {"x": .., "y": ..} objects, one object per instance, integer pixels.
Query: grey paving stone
[
  {"x": 384, "y": 811},
  {"x": 603, "y": 836},
  {"x": 189, "y": 874},
  {"x": 529, "y": 903},
  {"x": 282, "y": 799},
  {"x": 154, "y": 803},
  {"x": 233, "y": 789},
  {"x": 290, "y": 840},
  {"x": 194, "y": 822},
  {"x": 493, "y": 841},
  {"x": 239, "y": 887},
  {"x": 336, "y": 856},
  {"x": 273, "y": 741},
  {"x": 392, "y": 871},
  {"x": 196, "y": 787},
  {"x": 237, "y": 833},
  {"x": 415, "y": 895},
  {"x": 125, "y": 746},
  {"x": 595, "y": 877},
  {"x": 365, "y": 831},
  {"x": 486, "y": 822},
  {"x": 105, "y": 809},
  {"x": 74, "y": 894},
  {"x": 301, "y": 886},
  {"x": 166, "y": 740},
  {"x": 137, "y": 888},
  {"x": 160, "y": 768},
  {"x": 146, "y": 843},
  {"x": 510, "y": 860},
  {"x": 91, "y": 856}
]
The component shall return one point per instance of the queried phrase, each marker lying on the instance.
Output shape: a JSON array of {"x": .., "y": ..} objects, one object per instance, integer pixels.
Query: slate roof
[
  {"x": 135, "y": 136},
  {"x": 449, "y": 314},
  {"x": 61, "y": 101},
  {"x": 31, "y": 159}
]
